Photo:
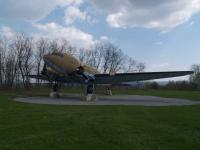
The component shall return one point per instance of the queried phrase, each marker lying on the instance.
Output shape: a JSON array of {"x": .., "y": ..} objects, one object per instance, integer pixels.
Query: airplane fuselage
[{"x": 66, "y": 64}]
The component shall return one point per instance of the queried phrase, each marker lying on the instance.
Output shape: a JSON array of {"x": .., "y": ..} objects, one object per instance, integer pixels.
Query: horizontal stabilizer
[{"x": 129, "y": 77}]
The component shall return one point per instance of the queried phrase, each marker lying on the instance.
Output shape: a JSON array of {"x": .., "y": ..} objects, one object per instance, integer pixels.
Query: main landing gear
[
  {"x": 55, "y": 93},
  {"x": 90, "y": 95},
  {"x": 90, "y": 88}
]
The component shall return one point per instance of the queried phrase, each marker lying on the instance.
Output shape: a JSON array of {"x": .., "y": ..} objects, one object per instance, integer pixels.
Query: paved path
[{"x": 109, "y": 100}]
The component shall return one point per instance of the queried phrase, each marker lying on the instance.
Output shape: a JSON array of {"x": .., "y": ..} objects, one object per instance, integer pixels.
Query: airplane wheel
[
  {"x": 90, "y": 89},
  {"x": 55, "y": 87}
]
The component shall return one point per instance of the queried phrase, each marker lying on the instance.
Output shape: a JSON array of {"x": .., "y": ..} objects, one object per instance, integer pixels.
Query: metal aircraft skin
[{"x": 64, "y": 68}]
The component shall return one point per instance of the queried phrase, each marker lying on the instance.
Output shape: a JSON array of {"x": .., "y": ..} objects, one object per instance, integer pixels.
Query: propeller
[
  {"x": 80, "y": 70},
  {"x": 86, "y": 76}
]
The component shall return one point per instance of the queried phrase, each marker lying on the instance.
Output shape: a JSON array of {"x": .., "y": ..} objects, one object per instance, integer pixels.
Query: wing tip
[{"x": 188, "y": 72}]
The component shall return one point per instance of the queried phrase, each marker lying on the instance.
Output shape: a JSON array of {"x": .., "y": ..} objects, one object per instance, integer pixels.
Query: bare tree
[
  {"x": 61, "y": 46},
  {"x": 91, "y": 57},
  {"x": 65, "y": 47},
  {"x": 82, "y": 55},
  {"x": 195, "y": 77},
  {"x": 96, "y": 55},
  {"x": 117, "y": 60},
  {"x": 1, "y": 63},
  {"x": 107, "y": 54},
  {"x": 54, "y": 46},
  {"x": 10, "y": 66},
  {"x": 42, "y": 46},
  {"x": 103, "y": 56},
  {"x": 113, "y": 59},
  {"x": 22, "y": 48},
  {"x": 140, "y": 67},
  {"x": 2, "y": 60},
  {"x": 130, "y": 65},
  {"x": 27, "y": 61}
]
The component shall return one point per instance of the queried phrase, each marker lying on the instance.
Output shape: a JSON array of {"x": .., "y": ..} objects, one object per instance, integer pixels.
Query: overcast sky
[{"x": 164, "y": 34}]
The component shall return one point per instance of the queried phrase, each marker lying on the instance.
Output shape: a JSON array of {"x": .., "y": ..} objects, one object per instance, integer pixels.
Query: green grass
[
  {"x": 192, "y": 95},
  {"x": 189, "y": 94},
  {"x": 40, "y": 127}
]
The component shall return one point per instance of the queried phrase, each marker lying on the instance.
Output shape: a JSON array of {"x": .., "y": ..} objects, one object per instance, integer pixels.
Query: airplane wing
[
  {"x": 41, "y": 77},
  {"x": 55, "y": 78},
  {"x": 129, "y": 77},
  {"x": 114, "y": 79}
]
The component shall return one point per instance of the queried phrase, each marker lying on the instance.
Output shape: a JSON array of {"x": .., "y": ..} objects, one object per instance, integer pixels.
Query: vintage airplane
[{"x": 64, "y": 68}]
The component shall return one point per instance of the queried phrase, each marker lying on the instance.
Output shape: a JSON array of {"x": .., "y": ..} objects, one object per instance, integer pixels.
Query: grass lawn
[
  {"x": 192, "y": 95},
  {"x": 189, "y": 94},
  {"x": 47, "y": 127}
]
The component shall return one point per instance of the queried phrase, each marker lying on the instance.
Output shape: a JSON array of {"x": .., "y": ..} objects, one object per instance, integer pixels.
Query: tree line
[
  {"x": 192, "y": 84},
  {"x": 22, "y": 55},
  {"x": 171, "y": 85}
]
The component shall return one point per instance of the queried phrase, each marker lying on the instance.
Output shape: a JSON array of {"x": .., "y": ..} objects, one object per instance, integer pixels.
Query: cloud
[
  {"x": 104, "y": 38},
  {"x": 163, "y": 15},
  {"x": 7, "y": 32},
  {"x": 53, "y": 30},
  {"x": 158, "y": 43},
  {"x": 26, "y": 9},
  {"x": 192, "y": 23},
  {"x": 32, "y": 10},
  {"x": 65, "y": 3},
  {"x": 75, "y": 36},
  {"x": 73, "y": 13}
]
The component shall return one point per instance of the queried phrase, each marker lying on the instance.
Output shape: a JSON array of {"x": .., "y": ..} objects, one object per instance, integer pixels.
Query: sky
[{"x": 164, "y": 34}]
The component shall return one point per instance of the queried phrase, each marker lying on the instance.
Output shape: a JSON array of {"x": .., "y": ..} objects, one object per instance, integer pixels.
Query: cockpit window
[{"x": 57, "y": 54}]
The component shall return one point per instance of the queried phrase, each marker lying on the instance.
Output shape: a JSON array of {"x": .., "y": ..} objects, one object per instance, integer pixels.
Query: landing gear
[
  {"x": 90, "y": 96},
  {"x": 109, "y": 91},
  {"x": 90, "y": 89},
  {"x": 55, "y": 87},
  {"x": 55, "y": 93}
]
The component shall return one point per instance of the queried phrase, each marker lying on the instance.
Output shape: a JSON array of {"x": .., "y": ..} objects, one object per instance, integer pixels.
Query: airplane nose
[{"x": 46, "y": 58}]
